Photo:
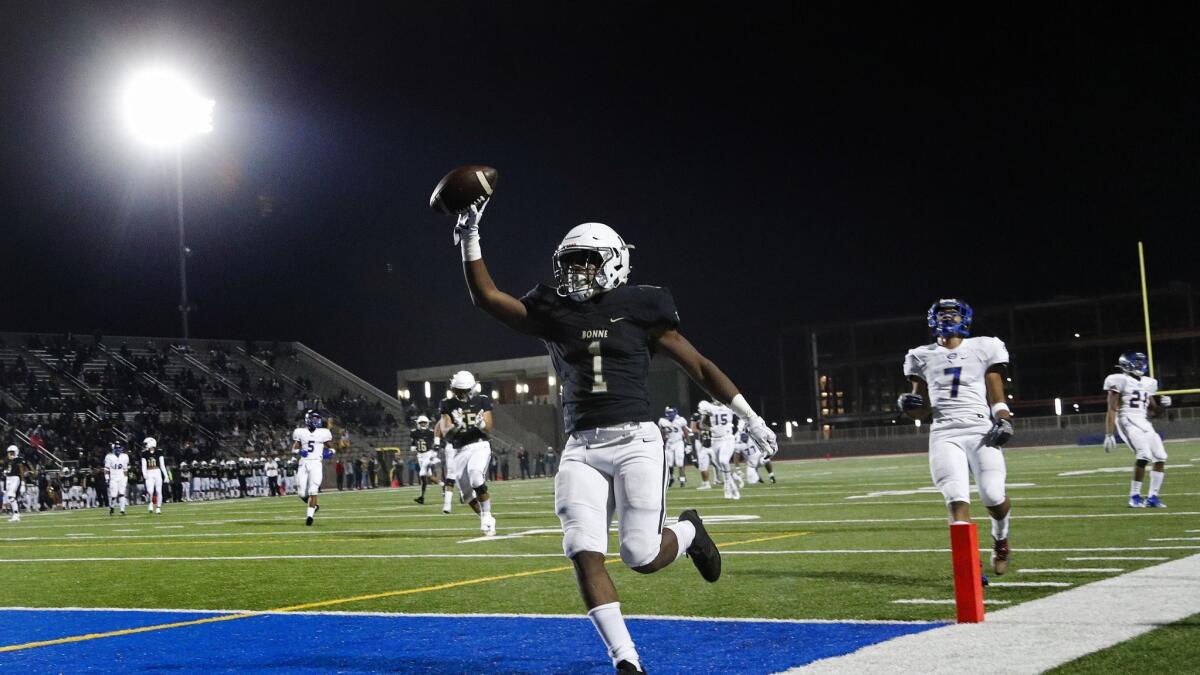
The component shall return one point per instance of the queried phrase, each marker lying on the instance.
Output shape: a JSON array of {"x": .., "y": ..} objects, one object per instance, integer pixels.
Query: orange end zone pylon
[{"x": 968, "y": 582}]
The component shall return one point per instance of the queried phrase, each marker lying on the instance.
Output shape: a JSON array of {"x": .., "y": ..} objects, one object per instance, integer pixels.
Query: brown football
[{"x": 458, "y": 189}]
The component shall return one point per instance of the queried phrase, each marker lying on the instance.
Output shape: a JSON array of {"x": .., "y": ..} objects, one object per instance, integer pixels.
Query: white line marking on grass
[
  {"x": 932, "y": 601},
  {"x": 80, "y": 534},
  {"x": 925, "y": 490},
  {"x": 889, "y": 551},
  {"x": 1128, "y": 513},
  {"x": 1116, "y": 469},
  {"x": 1175, "y": 539},
  {"x": 1119, "y": 557},
  {"x": 168, "y": 527},
  {"x": 125, "y": 530},
  {"x": 1029, "y": 584},
  {"x": 1038, "y": 635},
  {"x": 576, "y": 617},
  {"x": 1071, "y": 570}
]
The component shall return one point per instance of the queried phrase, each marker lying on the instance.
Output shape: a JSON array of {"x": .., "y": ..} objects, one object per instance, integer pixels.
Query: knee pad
[
  {"x": 449, "y": 482},
  {"x": 481, "y": 489},
  {"x": 639, "y": 550},
  {"x": 1143, "y": 462}
]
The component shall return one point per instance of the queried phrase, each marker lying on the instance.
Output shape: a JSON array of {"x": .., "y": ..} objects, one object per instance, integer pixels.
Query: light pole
[{"x": 162, "y": 110}]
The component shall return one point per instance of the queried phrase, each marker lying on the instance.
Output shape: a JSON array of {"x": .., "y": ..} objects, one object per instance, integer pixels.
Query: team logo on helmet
[{"x": 1133, "y": 363}]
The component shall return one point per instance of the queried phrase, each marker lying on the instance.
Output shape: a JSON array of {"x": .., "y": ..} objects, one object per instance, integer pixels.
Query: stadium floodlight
[
  {"x": 1077, "y": 335},
  {"x": 917, "y": 423},
  {"x": 162, "y": 109},
  {"x": 428, "y": 389},
  {"x": 1058, "y": 406},
  {"x": 788, "y": 426},
  {"x": 550, "y": 380},
  {"x": 495, "y": 396}
]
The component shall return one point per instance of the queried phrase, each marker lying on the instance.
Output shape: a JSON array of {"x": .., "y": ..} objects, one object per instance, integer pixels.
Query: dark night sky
[{"x": 772, "y": 166}]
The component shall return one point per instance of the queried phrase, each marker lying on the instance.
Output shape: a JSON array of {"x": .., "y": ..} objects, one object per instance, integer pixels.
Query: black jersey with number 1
[{"x": 601, "y": 350}]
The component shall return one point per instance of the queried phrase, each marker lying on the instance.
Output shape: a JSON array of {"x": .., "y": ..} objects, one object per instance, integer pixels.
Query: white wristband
[
  {"x": 997, "y": 407},
  {"x": 470, "y": 249},
  {"x": 742, "y": 408}
]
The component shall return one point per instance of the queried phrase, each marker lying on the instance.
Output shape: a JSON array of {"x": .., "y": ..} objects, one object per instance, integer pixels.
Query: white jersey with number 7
[
  {"x": 955, "y": 377},
  {"x": 313, "y": 441}
]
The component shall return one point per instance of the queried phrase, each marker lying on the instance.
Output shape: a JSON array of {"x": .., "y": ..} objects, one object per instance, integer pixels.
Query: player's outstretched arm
[
  {"x": 706, "y": 374},
  {"x": 484, "y": 293}
]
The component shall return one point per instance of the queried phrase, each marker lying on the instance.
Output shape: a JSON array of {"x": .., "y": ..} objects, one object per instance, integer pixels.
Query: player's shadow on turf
[{"x": 844, "y": 576}]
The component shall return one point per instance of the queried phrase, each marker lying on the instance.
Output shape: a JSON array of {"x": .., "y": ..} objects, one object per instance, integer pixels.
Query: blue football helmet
[
  {"x": 949, "y": 317},
  {"x": 1133, "y": 363},
  {"x": 670, "y": 413},
  {"x": 117, "y": 449},
  {"x": 313, "y": 420}
]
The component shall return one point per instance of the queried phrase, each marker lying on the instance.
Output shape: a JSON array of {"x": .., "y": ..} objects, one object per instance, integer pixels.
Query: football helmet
[
  {"x": 670, "y": 413},
  {"x": 1133, "y": 363},
  {"x": 313, "y": 420},
  {"x": 463, "y": 385},
  {"x": 949, "y": 317},
  {"x": 591, "y": 259},
  {"x": 150, "y": 443},
  {"x": 13, "y": 451},
  {"x": 117, "y": 449},
  {"x": 422, "y": 422}
]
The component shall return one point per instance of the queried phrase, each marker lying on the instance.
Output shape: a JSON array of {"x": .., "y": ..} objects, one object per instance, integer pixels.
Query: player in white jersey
[
  {"x": 14, "y": 472},
  {"x": 154, "y": 472},
  {"x": 311, "y": 443},
  {"x": 959, "y": 381},
  {"x": 674, "y": 430},
  {"x": 743, "y": 445},
  {"x": 116, "y": 468},
  {"x": 1131, "y": 401},
  {"x": 719, "y": 421}
]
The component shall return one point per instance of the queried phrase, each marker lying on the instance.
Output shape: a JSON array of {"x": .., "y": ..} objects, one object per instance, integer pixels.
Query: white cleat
[
  {"x": 487, "y": 525},
  {"x": 158, "y": 510},
  {"x": 705, "y": 486}
]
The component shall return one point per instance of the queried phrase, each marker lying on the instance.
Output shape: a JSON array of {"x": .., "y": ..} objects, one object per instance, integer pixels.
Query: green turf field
[{"x": 840, "y": 539}]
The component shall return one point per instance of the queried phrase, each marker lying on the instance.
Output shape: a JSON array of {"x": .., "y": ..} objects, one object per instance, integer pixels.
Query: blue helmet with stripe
[
  {"x": 313, "y": 420},
  {"x": 670, "y": 413},
  {"x": 1134, "y": 363},
  {"x": 949, "y": 317}
]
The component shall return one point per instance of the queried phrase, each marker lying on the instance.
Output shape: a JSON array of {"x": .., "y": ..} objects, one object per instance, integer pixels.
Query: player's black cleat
[
  {"x": 316, "y": 508},
  {"x": 308, "y": 521},
  {"x": 703, "y": 551},
  {"x": 419, "y": 500},
  {"x": 772, "y": 479},
  {"x": 627, "y": 667},
  {"x": 110, "y": 510}
]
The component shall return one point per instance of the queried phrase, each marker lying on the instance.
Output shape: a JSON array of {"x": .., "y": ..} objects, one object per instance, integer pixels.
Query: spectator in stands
[
  {"x": 523, "y": 461},
  {"x": 340, "y": 469},
  {"x": 504, "y": 463},
  {"x": 539, "y": 468},
  {"x": 351, "y": 480},
  {"x": 359, "y": 473},
  {"x": 413, "y": 467},
  {"x": 371, "y": 473},
  {"x": 551, "y": 461},
  {"x": 493, "y": 468}
]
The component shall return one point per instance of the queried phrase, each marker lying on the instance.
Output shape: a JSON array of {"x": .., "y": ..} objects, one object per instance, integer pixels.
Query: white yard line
[
  {"x": 951, "y": 601},
  {"x": 1038, "y": 635},
  {"x": 1029, "y": 584},
  {"x": 1072, "y": 570},
  {"x": 1175, "y": 539},
  {"x": 1118, "y": 557}
]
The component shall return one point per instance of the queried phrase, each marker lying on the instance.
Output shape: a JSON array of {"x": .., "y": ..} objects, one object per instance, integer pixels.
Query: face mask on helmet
[
  {"x": 671, "y": 413},
  {"x": 313, "y": 420},
  {"x": 949, "y": 318},
  {"x": 591, "y": 259},
  {"x": 422, "y": 422}
]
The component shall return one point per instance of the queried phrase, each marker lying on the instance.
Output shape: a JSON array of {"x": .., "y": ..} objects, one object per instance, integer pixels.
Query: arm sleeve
[
  {"x": 143, "y": 466},
  {"x": 912, "y": 365},
  {"x": 997, "y": 353},
  {"x": 295, "y": 435},
  {"x": 1113, "y": 383},
  {"x": 1152, "y": 386},
  {"x": 656, "y": 308}
]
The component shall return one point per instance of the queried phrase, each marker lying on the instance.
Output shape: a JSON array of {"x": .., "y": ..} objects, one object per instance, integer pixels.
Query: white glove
[
  {"x": 1109, "y": 442},
  {"x": 468, "y": 221},
  {"x": 480, "y": 422},
  {"x": 460, "y": 422},
  {"x": 1164, "y": 401},
  {"x": 763, "y": 436}
]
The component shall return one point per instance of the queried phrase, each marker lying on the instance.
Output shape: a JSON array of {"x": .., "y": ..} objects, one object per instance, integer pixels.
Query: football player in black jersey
[
  {"x": 14, "y": 471},
  {"x": 421, "y": 442},
  {"x": 465, "y": 420},
  {"x": 601, "y": 333}
]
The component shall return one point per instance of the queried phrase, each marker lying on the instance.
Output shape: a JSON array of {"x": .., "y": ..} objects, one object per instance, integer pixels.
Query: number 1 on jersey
[
  {"x": 956, "y": 372},
  {"x": 599, "y": 386}
]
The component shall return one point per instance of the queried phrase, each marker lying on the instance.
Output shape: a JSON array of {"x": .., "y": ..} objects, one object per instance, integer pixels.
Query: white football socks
[
  {"x": 1156, "y": 480},
  {"x": 446, "y": 498},
  {"x": 611, "y": 626},
  {"x": 485, "y": 507},
  {"x": 312, "y": 510},
  {"x": 1135, "y": 486},
  {"x": 1000, "y": 528},
  {"x": 685, "y": 532}
]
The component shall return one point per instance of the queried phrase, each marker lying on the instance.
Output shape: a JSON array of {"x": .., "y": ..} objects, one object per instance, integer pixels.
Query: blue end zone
[{"x": 305, "y": 643}]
